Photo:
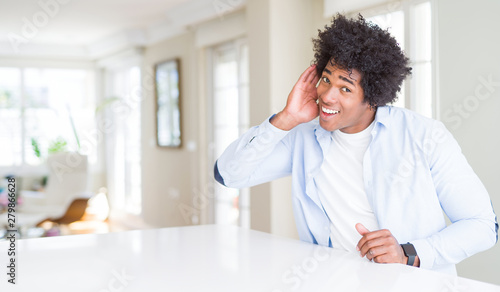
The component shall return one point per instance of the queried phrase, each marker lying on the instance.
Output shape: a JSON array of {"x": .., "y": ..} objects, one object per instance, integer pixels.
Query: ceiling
[{"x": 94, "y": 28}]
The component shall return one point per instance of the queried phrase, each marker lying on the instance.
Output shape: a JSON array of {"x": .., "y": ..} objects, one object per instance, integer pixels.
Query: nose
[{"x": 330, "y": 96}]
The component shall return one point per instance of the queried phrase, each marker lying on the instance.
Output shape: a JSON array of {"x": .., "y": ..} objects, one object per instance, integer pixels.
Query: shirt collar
[
  {"x": 382, "y": 116},
  {"x": 320, "y": 132}
]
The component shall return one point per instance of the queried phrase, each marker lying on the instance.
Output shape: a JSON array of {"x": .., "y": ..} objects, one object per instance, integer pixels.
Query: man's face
[{"x": 341, "y": 101}]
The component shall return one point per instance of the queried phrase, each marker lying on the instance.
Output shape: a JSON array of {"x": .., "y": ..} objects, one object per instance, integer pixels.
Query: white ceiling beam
[
  {"x": 44, "y": 50},
  {"x": 116, "y": 43},
  {"x": 331, "y": 7},
  {"x": 177, "y": 21}
]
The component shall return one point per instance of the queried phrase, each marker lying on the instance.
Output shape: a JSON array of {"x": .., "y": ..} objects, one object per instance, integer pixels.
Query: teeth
[{"x": 329, "y": 111}]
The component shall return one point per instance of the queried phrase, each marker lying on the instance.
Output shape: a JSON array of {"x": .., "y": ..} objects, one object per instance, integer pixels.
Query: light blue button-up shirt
[{"x": 413, "y": 170}]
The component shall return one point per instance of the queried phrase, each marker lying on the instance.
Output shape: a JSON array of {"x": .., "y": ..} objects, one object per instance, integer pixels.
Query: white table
[{"x": 207, "y": 258}]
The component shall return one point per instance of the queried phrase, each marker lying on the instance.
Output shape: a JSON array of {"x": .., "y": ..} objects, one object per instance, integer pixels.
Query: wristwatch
[{"x": 410, "y": 252}]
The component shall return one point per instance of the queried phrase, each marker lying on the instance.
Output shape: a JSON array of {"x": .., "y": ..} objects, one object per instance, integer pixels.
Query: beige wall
[
  {"x": 169, "y": 175},
  {"x": 176, "y": 182}
]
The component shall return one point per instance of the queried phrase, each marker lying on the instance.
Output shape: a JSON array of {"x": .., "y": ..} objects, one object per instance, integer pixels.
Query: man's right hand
[{"x": 301, "y": 106}]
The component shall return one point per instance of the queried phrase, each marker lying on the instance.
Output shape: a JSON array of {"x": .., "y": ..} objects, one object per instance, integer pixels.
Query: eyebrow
[
  {"x": 340, "y": 77},
  {"x": 347, "y": 80}
]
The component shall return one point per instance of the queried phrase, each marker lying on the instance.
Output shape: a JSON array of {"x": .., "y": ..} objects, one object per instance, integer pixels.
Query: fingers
[
  {"x": 380, "y": 246},
  {"x": 377, "y": 254},
  {"x": 313, "y": 75},
  {"x": 361, "y": 229},
  {"x": 372, "y": 235},
  {"x": 309, "y": 74},
  {"x": 369, "y": 247},
  {"x": 383, "y": 254},
  {"x": 315, "y": 79}
]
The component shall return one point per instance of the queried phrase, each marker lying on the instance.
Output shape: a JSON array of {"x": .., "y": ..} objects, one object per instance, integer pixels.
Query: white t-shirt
[{"x": 341, "y": 188}]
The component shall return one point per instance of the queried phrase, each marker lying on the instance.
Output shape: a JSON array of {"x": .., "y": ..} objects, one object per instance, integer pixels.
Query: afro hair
[{"x": 361, "y": 45}]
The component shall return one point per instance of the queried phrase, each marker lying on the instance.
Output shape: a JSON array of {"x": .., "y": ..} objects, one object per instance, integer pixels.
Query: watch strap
[
  {"x": 410, "y": 252},
  {"x": 411, "y": 260}
]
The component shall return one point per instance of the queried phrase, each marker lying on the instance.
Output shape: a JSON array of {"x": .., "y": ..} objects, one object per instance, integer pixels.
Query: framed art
[{"x": 168, "y": 100}]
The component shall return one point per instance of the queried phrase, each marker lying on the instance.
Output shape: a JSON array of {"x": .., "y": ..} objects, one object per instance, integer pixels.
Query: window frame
[
  {"x": 406, "y": 6},
  {"x": 120, "y": 189},
  {"x": 244, "y": 202}
]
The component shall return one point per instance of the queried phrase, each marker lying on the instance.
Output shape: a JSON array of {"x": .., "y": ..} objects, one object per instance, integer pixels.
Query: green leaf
[
  {"x": 58, "y": 145},
  {"x": 36, "y": 147}
]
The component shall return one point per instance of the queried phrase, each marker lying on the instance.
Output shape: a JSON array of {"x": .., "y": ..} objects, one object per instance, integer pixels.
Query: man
[{"x": 366, "y": 177}]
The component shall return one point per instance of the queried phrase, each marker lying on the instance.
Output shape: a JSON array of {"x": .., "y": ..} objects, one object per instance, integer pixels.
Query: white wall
[{"x": 469, "y": 49}]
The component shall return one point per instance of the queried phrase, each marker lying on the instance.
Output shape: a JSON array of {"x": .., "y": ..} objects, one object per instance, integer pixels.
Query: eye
[
  {"x": 345, "y": 89},
  {"x": 325, "y": 79}
]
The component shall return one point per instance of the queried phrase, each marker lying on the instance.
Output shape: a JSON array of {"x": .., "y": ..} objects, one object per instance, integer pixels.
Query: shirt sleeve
[
  {"x": 260, "y": 155},
  {"x": 465, "y": 201}
]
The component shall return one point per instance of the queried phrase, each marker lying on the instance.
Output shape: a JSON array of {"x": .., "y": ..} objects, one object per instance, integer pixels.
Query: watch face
[{"x": 409, "y": 249}]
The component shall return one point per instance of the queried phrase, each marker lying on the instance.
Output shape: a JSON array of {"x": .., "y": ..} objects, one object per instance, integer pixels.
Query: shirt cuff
[
  {"x": 425, "y": 253},
  {"x": 267, "y": 125}
]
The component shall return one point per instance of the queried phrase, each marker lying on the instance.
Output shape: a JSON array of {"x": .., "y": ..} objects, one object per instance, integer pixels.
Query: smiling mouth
[{"x": 329, "y": 111}]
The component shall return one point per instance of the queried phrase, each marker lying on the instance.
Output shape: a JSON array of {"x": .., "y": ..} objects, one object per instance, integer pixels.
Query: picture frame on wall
[{"x": 168, "y": 104}]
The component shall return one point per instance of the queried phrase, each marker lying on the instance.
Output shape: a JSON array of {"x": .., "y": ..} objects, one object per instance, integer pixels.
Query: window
[
  {"x": 45, "y": 106},
  {"x": 410, "y": 22},
  {"x": 123, "y": 140},
  {"x": 421, "y": 57},
  {"x": 11, "y": 124},
  {"x": 230, "y": 119},
  {"x": 394, "y": 21}
]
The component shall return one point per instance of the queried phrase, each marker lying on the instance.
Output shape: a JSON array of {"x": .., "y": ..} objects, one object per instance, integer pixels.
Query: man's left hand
[{"x": 380, "y": 246}]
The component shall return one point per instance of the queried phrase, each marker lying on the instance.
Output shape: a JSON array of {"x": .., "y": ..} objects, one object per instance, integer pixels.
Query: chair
[
  {"x": 65, "y": 193},
  {"x": 75, "y": 212}
]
